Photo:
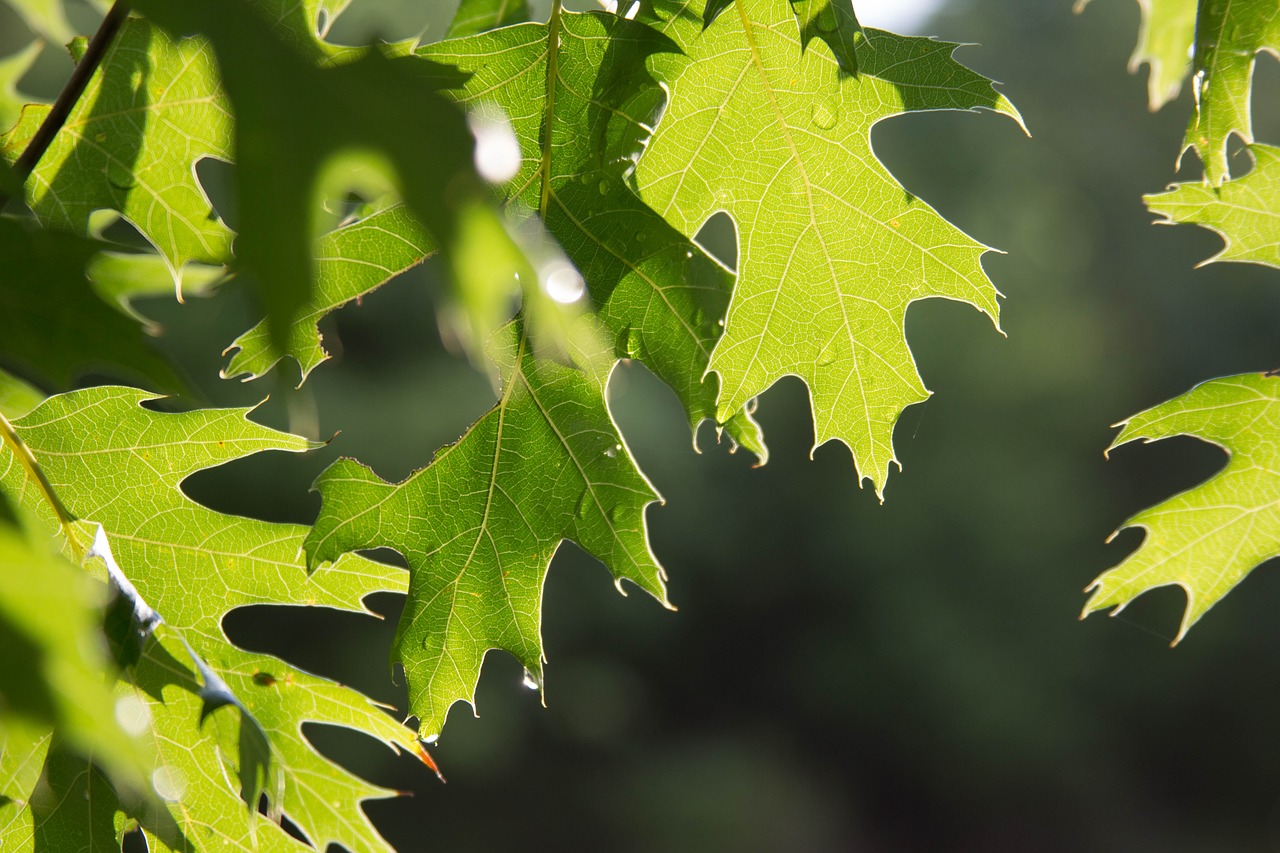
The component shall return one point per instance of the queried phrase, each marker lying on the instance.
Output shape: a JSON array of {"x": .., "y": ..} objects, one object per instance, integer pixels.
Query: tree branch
[{"x": 67, "y": 98}]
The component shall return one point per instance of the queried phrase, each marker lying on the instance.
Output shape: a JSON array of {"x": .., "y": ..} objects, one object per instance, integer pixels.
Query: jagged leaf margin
[
  {"x": 111, "y": 459},
  {"x": 832, "y": 249},
  {"x": 1206, "y": 539}
]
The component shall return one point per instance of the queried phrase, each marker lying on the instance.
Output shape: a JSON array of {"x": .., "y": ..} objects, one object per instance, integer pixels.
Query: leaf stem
[
  {"x": 67, "y": 98},
  {"x": 28, "y": 460},
  {"x": 553, "y": 72}
]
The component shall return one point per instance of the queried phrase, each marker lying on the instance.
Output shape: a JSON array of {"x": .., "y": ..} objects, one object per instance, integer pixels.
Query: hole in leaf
[
  {"x": 218, "y": 180},
  {"x": 1266, "y": 105},
  {"x": 332, "y": 643},
  {"x": 719, "y": 238},
  {"x": 134, "y": 842},
  {"x": 363, "y": 755},
  {"x": 264, "y": 809},
  {"x": 266, "y": 486}
]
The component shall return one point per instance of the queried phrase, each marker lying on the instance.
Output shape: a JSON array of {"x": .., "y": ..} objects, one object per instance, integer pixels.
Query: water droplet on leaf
[
  {"x": 169, "y": 783},
  {"x": 562, "y": 282},
  {"x": 824, "y": 115}
]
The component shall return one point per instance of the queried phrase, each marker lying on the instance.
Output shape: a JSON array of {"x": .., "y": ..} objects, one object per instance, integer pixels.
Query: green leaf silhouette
[
  {"x": 832, "y": 250},
  {"x": 1207, "y": 538},
  {"x": 480, "y": 525},
  {"x": 131, "y": 144},
  {"x": 112, "y": 461},
  {"x": 1245, "y": 211}
]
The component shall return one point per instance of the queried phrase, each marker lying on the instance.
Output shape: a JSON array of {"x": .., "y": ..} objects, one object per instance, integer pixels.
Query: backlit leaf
[
  {"x": 117, "y": 463},
  {"x": 1208, "y": 538},
  {"x": 1229, "y": 36},
  {"x": 832, "y": 250},
  {"x": 1165, "y": 38},
  {"x": 1245, "y": 211},
  {"x": 131, "y": 144},
  {"x": 480, "y": 525}
]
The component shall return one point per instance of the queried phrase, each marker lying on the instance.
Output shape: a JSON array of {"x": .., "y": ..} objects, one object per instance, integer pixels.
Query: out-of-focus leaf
[
  {"x": 12, "y": 68},
  {"x": 478, "y": 16},
  {"x": 480, "y": 525},
  {"x": 46, "y": 17},
  {"x": 660, "y": 295},
  {"x": 1165, "y": 39},
  {"x": 113, "y": 461},
  {"x": 287, "y": 132},
  {"x": 16, "y": 396},
  {"x": 150, "y": 113},
  {"x": 54, "y": 669},
  {"x": 1245, "y": 211},
  {"x": 1208, "y": 538},
  {"x": 53, "y": 327},
  {"x": 832, "y": 249}
]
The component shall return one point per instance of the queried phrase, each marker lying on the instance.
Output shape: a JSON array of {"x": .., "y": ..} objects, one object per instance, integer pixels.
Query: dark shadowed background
[{"x": 843, "y": 675}]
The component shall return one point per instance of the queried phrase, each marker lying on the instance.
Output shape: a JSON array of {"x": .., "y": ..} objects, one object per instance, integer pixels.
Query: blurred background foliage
[{"x": 844, "y": 675}]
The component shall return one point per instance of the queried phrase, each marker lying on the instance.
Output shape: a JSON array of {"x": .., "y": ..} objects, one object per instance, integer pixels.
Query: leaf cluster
[
  {"x": 1208, "y": 538},
  {"x": 557, "y": 173}
]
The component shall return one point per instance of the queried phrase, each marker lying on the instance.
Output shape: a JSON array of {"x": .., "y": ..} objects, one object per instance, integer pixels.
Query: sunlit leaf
[
  {"x": 480, "y": 525},
  {"x": 152, "y": 111},
  {"x": 1208, "y": 538},
  {"x": 1229, "y": 36},
  {"x": 832, "y": 249},
  {"x": 1245, "y": 211},
  {"x": 477, "y": 16},
  {"x": 117, "y": 463}
]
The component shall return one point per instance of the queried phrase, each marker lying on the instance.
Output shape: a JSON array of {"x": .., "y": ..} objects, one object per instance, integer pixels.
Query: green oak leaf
[
  {"x": 113, "y": 461},
  {"x": 121, "y": 277},
  {"x": 72, "y": 807},
  {"x": 149, "y": 114},
  {"x": 1229, "y": 36},
  {"x": 836, "y": 23},
  {"x": 832, "y": 249},
  {"x": 480, "y": 524},
  {"x": 317, "y": 109},
  {"x": 46, "y": 18},
  {"x": 477, "y": 16},
  {"x": 1165, "y": 39},
  {"x": 660, "y": 295},
  {"x": 23, "y": 748},
  {"x": 348, "y": 262},
  {"x": 1208, "y": 538},
  {"x": 53, "y": 327},
  {"x": 54, "y": 670},
  {"x": 17, "y": 397},
  {"x": 1244, "y": 211},
  {"x": 12, "y": 69}
]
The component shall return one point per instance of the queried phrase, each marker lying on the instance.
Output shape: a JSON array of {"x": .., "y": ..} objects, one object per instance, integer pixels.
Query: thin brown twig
[{"x": 67, "y": 98}]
